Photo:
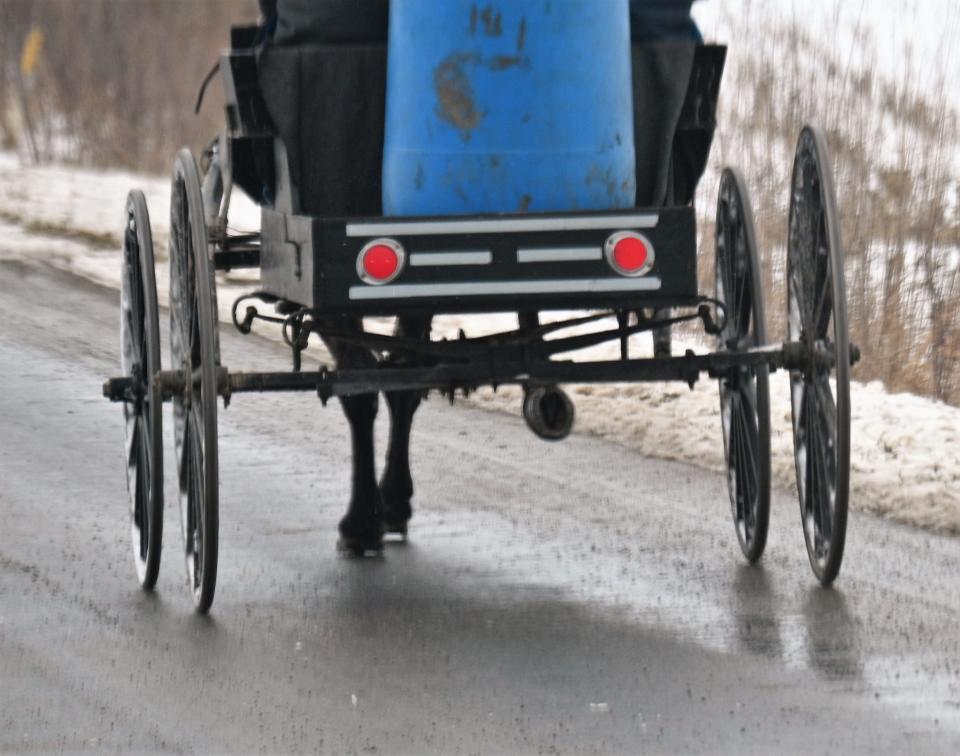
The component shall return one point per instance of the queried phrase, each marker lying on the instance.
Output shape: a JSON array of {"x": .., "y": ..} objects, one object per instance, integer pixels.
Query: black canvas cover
[
  {"x": 698, "y": 121},
  {"x": 661, "y": 73},
  {"x": 327, "y": 104},
  {"x": 675, "y": 90}
]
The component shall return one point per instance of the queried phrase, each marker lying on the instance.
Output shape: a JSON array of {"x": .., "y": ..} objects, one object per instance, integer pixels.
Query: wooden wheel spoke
[
  {"x": 726, "y": 267},
  {"x": 134, "y": 458},
  {"x": 797, "y": 288},
  {"x": 194, "y": 343},
  {"x": 798, "y": 408},
  {"x": 813, "y": 455},
  {"x": 193, "y": 491},
  {"x": 824, "y": 308},
  {"x": 747, "y": 419},
  {"x": 739, "y": 304},
  {"x": 744, "y": 488},
  {"x": 808, "y": 440},
  {"x": 822, "y": 469},
  {"x": 746, "y": 306},
  {"x": 735, "y": 453},
  {"x": 179, "y": 335},
  {"x": 134, "y": 309},
  {"x": 750, "y": 453},
  {"x": 133, "y": 435},
  {"x": 827, "y": 407},
  {"x": 196, "y": 506},
  {"x": 805, "y": 439},
  {"x": 143, "y": 442},
  {"x": 744, "y": 303},
  {"x": 144, "y": 365},
  {"x": 183, "y": 453},
  {"x": 731, "y": 269},
  {"x": 137, "y": 346},
  {"x": 197, "y": 417},
  {"x": 144, "y": 486},
  {"x": 822, "y": 285}
]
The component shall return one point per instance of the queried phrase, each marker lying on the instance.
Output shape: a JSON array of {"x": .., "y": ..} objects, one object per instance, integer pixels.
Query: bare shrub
[
  {"x": 117, "y": 79},
  {"x": 895, "y": 145}
]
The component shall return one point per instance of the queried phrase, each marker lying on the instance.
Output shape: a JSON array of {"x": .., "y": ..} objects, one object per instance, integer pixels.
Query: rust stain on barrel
[
  {"x": 503, "y": 62},
  {"x": 455, "y": 98}
]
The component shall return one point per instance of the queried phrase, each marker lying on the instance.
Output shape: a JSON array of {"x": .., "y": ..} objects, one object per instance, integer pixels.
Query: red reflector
[
  {"x": 630, "y": 254},
  {"x": 380, "y": 262}
]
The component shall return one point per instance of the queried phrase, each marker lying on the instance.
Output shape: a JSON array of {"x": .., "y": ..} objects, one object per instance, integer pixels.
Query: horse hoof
[
  {"x": 360, "y": 548},
  {"x": 397, "y": 531}
]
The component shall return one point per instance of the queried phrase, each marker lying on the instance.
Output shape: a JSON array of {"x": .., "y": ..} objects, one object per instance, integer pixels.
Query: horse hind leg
[
  {"x": 396, "y": 485},
  {"x": 361, "y": 527}
]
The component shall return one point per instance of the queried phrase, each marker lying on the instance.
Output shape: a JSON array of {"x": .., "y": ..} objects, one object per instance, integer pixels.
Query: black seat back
[{"x": 327, "y": 103}]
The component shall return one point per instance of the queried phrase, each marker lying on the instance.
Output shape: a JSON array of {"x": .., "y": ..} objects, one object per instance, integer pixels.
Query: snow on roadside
[
  {"x": 88, "y": 205},
  {"x": 905, "y": 458}
]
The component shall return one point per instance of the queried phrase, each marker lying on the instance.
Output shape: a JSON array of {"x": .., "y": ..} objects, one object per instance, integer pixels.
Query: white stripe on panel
[
  {"x": 502, "y": 288},
  {"x": 502, "y": 225},
  {"x": 422, "y": 259},
  {"x": 558, "y": 254}
]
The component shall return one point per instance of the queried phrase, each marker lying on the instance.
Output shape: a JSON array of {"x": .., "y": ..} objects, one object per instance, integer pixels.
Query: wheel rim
[
  {"x": 816, "y": 317},
  {"x": 140, "y": 360},
  {"x": 744, "y": 391},
  {"x": 195, "y": 353}
]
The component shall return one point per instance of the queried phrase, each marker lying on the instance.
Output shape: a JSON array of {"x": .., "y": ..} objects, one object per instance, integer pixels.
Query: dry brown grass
[
  {"x": 896, "y": 147},
  {"x": 117, "y": 79}
]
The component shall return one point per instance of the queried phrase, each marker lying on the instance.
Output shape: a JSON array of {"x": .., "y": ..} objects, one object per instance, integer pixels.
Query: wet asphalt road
[{"x": 553, "y": 598}]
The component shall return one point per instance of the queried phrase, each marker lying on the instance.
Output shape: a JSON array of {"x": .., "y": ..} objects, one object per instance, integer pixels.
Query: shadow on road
[{"x": 832, "y": 635}]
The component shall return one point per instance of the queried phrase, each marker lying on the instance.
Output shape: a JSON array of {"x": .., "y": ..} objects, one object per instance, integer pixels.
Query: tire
[
  {"x": 143, "y": 412},
  {"x": 744, "y": 390},
  {"x": 195, "y": 352},
  {"x": 820, "y": 392}
]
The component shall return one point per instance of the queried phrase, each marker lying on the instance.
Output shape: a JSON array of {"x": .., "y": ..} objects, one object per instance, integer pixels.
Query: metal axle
[{"x": 448, "y": 377}]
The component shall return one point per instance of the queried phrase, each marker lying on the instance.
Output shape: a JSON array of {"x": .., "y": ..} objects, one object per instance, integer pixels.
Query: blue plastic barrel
[{"x": 512, "y": 106}]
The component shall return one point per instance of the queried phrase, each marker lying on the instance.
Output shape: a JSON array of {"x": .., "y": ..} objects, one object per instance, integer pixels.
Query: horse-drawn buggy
[{"x": 477, "y": 159}]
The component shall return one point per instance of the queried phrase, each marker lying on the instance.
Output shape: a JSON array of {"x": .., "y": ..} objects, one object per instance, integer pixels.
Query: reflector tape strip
[
  {"x": 503, "y": 225},
  {"x": 422, "y": 259},
  {"x": 505, "y": 288},
  {"x": 559, "y": 254}
]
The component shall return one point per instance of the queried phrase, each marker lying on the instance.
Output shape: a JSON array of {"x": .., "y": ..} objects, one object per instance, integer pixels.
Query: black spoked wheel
[
  {"x": 140, "y": 361},
  {"x": 744, "y": 391},
  {"x": 820, "y": 393},
  {"x": 195, "y": 351}
]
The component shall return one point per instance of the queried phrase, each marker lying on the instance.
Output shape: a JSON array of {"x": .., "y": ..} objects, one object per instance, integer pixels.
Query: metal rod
[
  {"x": 509, "y": 345},
  {"x": 687, "y": 368}
]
